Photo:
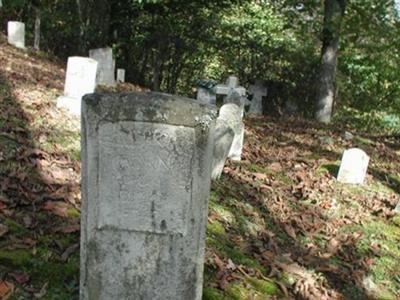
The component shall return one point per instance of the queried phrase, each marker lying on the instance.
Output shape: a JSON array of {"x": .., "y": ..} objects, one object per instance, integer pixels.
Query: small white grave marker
[
  {"x": 353, "y": 168},
  {"x": 16, "y": 34},
  {"x": 120, "y": 75},
  {"x": 80, "y": 80}
]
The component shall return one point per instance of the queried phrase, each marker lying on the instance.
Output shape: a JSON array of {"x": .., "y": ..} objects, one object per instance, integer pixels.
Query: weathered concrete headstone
[
  {"x": 16, "y": 34},
  {"x": 106, "y": 65},
  {"x": 146, "y": 160},
  {"x": 258, "y": 90},
  {"x": 120, "y": 75},
  {"x": 80, "y": 80},
  {"x": 231, "y": 114},
  {"x": 223, "y": 139},
  {"x": 353, "y": 168}
]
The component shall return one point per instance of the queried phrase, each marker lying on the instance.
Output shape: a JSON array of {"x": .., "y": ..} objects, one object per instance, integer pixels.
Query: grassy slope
[{"x": 280, "y": 226}]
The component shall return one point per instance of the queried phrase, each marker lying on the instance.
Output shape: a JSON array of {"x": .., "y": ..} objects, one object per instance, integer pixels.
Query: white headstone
[
  {"x": 120, "y": 75},
  {"x": 231, "y": 114},
  {"x": 353, "y": 167},
  {"x": 223, "y": 139},
  {"x": 80, "y": 80},
  {"x": 258, "y": 90},
  {"x": 106, "y": 65},
  {"x": 146, "y": 164},
  {"x": 16, "y": 34}
]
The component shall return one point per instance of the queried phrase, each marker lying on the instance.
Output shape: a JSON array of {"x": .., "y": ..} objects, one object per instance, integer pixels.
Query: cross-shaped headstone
[
  {"x": 232, "y": 85},
  {"x": 258, "y": 90}
]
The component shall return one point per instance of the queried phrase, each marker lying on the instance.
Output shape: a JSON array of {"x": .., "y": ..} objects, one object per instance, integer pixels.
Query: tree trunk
[
  {"x": 36, "y": 44},
  {"x": 333, "y": 15},
  {"x": 94, "y": 18}
]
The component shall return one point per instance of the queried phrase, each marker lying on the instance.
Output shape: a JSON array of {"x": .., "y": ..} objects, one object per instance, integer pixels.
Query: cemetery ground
[{"x": 280, "y": 226}]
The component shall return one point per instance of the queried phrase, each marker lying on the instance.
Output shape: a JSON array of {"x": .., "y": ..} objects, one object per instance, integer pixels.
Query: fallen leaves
[{"x": 6, "y": 290}]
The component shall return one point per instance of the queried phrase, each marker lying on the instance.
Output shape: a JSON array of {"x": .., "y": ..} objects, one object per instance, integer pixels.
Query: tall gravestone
[
  {"x": 258, "y": 90},
  {"x": 106, "y": 65},
  {"x": 121, "y": 75},
  {"x": 223, "y": 140},
  {"x": 146, "y": 163},
  {"x": 16, "y": 34},
  {"x": 80, "y": 80},
  {"x": 353, "y": 167},
  {"x": 231, "y": 114}
]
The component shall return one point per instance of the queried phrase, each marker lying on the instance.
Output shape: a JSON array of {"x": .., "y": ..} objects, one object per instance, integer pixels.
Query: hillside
[{"x": 280, "y": 225}]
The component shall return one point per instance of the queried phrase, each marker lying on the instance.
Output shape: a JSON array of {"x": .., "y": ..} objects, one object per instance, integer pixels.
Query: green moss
[
  {"x": 17, "y": 258},
  {"x": 215, "y": 228},
  {"x": 212, "y": 294},
  {"x": 238, "y": 292},
  {"x": 73, "y": 213},
  {"x": 15, "y": 228},
  {"x": 363, "y": 141},
  {"x": 387, "y": 265},
  {"x": 332, "y": 169},
  {"x": 264, "y": 287},
  {"x": 396, "y": 220}
]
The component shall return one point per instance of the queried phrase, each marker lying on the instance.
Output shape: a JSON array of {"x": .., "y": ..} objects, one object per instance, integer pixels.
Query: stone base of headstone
[
  {"x": 73, "y": 105},
  {"x": 223, "y": 139}
]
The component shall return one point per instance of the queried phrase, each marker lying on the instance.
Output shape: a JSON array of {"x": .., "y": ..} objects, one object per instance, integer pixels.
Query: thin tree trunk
[
  {"x": 333, "y": 15},
  {"x": 36, "y": 44}
]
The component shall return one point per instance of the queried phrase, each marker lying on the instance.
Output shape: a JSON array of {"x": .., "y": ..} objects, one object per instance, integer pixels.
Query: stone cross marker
[
  {"x": 353, "y": 168},
  {"x": 16, "y": 34},
  {"x": 232, "y": 86},
  {"x": 120, "y": 75},
  {"x": 106, "y": 65},
  {"x": 258, "y": 90},
  {"x": 146, "y": 165},
  {"x": 80, "y": 80}
]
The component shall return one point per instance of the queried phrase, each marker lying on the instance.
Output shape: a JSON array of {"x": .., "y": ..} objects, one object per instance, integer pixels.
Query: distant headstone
[
  {"x": 146, "y": 164},
  {"x": 206, "y": 92},
  {"x": 258, "y": 90},
  {"x": 120, "y": 75},
  {"x": 106, "y": 65},
  {"x": 80, "y": 80},
  {"x": 348, "y": 136},
  {"x": 231, "y": 114},
  {"x": 223, "y": 139},
  {"x": 353, "y": 168},
  {"x": 232, "y": 85},
  {"x": 16, "y": 34}
]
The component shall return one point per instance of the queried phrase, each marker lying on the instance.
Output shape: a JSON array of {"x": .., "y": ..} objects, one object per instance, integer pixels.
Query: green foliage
[{"x": 170, "y": 45}]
